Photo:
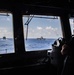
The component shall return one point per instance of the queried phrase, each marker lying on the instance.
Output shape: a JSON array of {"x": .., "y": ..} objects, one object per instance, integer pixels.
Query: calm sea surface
[
  {"x": 38, "y": 44},
  {"x": 7, "y": 45}
]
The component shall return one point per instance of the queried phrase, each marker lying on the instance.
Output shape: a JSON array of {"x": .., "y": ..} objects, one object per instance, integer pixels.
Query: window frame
[
  {"x": 5, "y": 11},
  {"x": 27, "y": 32}
]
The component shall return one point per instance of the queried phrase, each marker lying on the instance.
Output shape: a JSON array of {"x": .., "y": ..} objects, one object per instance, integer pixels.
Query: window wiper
[{"x": 27, "y": 23}]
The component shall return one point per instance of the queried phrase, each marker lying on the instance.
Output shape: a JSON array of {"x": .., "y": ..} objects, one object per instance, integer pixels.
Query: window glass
[
  {"x": 6, "y": 33},
  {"x": 41, "y": 31},
  {"x": 72, "y": 25}
]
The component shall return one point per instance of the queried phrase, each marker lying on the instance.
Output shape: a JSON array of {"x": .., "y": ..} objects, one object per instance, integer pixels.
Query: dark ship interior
[{"x": 40, "y": 61}]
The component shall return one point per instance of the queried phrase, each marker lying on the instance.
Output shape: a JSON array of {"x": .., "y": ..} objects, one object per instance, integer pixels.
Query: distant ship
[
  {"x": 4, "y": 37},
  {"x": 41, "y": 38}
]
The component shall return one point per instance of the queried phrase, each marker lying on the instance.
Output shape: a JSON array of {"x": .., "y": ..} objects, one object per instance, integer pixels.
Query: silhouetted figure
[{"x": 68, "y": 52}]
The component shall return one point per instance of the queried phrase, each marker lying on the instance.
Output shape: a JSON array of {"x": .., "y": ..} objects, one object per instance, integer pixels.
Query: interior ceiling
[{"x": 53, "y": 3}]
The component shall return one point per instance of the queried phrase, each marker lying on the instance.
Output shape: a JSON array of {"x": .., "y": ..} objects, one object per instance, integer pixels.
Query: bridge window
[
  {"x": 6, "y": 33},
  {"x": 41, "y": 31},
  {"x": 72, "y": 25}
]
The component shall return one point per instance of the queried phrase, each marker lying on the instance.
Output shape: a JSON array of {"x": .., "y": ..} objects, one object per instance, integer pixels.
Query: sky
[
  {"x": 6, "y": 25},
  {"x": 37, "y": 27},
  {"x": 72, "y": 25},
  {"x": 48, "y": 28}
]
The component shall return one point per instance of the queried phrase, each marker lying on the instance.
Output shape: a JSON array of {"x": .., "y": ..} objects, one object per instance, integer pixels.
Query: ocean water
[
  {"x": 7, "y": 45},
  {"x": 38, "y": 44}
]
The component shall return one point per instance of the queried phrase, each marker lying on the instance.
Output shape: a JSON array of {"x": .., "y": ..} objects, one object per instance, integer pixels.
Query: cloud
[
  {"x": 5, "y": 32},
  {"x": 8, "y": 19},
  {"x": 33, "y": 31},
  {"x": 52, "y": 31},
  {"x": 51, "y": 28},
  {"x": 39, "y": 28},
  {"x": 2, "y": 19}
]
